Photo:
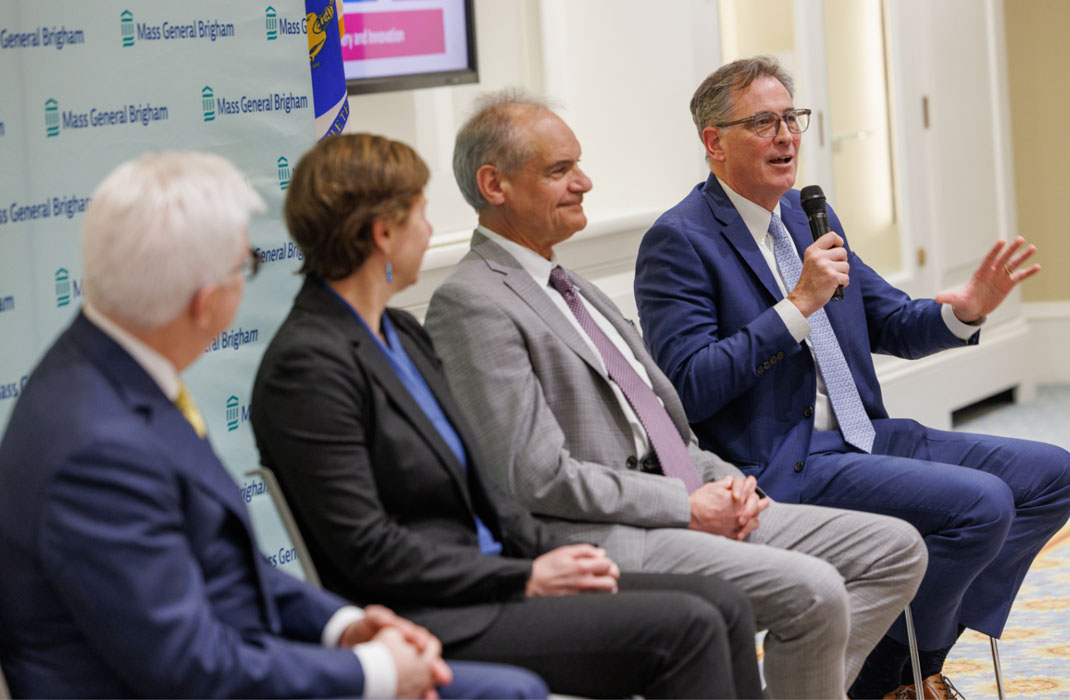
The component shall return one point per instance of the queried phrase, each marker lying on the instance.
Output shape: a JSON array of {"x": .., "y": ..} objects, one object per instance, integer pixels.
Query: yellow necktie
[{"x": 189, "y": 410}]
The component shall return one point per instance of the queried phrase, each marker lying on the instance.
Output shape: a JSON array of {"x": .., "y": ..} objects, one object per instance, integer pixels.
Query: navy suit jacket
[
  {"x": 705, "y": 296},
  {"x": 128, "y": 564}
]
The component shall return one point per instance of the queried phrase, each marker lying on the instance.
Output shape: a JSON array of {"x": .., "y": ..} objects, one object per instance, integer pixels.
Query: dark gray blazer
[{"x": 382, "y": 500}]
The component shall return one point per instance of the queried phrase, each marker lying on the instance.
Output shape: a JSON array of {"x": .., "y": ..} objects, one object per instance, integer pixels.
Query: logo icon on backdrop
[
  {"x": 233, "y": 413},
  {"x": 208, "y": 103},
  {"x": 126, "y": 27},
  {"x": 284, "y": 173},
  {"x": 271, "y": 19},
  {"x": 63, "y": 288},
  {"x": 51, "y": 118}
]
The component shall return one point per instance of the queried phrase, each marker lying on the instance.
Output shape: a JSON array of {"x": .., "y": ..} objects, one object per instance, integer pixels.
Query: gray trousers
[{"x": 826, "y": 583}]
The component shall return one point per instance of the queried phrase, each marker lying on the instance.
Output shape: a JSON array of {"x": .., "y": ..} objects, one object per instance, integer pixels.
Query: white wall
[{"x": 623, "y": 72}]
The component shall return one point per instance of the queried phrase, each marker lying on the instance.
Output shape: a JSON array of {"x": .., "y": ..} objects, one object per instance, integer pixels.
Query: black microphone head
[{"x": 812, "y": 199}]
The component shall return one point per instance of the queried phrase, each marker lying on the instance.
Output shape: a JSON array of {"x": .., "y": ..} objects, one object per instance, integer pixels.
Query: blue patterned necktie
[
  {"x": 665, "y": 439},
  {"x": 847, "y": 405}
]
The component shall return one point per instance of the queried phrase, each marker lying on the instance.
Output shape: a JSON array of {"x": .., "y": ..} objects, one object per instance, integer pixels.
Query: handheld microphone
[{"x": 813, "y": 203}]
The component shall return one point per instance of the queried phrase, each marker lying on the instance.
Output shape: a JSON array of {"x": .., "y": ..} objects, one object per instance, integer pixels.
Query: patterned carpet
[{"x": 1035, "y": 647}]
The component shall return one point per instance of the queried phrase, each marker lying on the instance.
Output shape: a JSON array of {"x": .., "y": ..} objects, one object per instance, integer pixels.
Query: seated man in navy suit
[
  {"x": 129, "y": 565},
  {"x": 732, "y": 294}
]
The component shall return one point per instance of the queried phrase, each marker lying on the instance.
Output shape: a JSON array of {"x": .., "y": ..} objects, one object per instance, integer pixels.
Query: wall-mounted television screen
[{"x": 406, "y": 44}]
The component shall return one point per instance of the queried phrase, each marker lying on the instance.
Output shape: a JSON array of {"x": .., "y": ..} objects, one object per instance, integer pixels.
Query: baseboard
[
  {"x": 1049, "y": 327},
  {"x": 603, "y": 253},
  {"x": 930, "y": 389}
]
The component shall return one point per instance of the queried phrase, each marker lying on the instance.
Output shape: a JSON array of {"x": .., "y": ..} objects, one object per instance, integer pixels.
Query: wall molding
[
  {"x": 930, "y": 389},
  {"x": 448, "y": 248},
  {"x": 602, "y": 251},
  {"x": 1049, "y": 327},
  {"x": 1015, "y": 352}
]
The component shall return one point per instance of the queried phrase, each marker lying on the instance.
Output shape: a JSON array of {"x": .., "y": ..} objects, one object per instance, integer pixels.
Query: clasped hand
[
  {"x": 574, "y": 568},
  {"x": 417, "y": 653},
  {"x": 728, "y": 507}
]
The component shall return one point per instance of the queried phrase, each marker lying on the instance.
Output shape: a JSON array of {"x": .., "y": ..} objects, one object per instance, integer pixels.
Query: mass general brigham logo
[
  {"x": 63, "y": 287},
  {"x": 284, "y": 173},
  {"x": 51, "y": 118},
  {"x": 126, "y": 28},
  {"x": 208, "y": 103},
  {"x": 237, "y": 413},
  {"x": 271, "y": 21}
]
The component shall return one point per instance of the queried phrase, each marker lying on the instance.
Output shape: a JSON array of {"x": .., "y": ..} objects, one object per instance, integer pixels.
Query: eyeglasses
[
  {"x": 767, "y": 124},
  {"x": 250, "y": 265}
]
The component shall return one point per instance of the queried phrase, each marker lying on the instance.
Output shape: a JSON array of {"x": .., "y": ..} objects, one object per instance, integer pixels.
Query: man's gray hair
[
  {"x": 158, "y": 229},
  {"x": 712, "y": 102},
  {"x": 491, "y": 137}
]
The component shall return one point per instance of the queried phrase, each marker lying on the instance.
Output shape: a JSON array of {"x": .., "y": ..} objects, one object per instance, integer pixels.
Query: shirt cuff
[
  {"x": 793, "y": 319},
  {"x": 380, "y": 674},
  {"x": 962, "y": 331},
  {"x": 342, "y": 618}
]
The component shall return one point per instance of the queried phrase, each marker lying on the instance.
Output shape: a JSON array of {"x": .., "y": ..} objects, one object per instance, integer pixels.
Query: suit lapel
[
  {"x": 188, "y": 452},
  {"x": 799, "y": 227},
  {"x": 521, "y": 284},
  {"x": 163, "y": 419},
  {"x": 384, "y": 374},
  {"x": 372, "y": 358},
  {"x": 794, "y": 219},
  {"x": 658, "y": 381},
  {"x": 316, "y": 298},
  {"x": 739, "y": 236}
]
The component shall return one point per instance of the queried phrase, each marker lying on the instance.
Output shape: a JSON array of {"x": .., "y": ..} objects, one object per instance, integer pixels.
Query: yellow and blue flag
[{"x": 325, "y": 29}]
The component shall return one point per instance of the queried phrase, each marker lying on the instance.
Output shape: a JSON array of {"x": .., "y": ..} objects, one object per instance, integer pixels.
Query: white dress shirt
[
  {"x": 757, "y": 219},
  {"x": 539, "y": 268},
  {"x": 380, "y": 673}
]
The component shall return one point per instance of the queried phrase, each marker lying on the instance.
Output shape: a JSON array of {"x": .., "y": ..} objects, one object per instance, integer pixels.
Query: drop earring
[{"x": 389, "y": 272}]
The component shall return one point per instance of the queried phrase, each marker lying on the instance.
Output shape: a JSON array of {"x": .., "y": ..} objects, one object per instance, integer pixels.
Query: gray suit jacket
[{"x": 543, "y": 408}]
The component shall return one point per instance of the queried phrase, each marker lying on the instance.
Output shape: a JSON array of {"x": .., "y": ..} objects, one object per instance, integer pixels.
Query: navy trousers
[
  {"x": 481, "y": 680},
  {"x": 985, "y": 506}
]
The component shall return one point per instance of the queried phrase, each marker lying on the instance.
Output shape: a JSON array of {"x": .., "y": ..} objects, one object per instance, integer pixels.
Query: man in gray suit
[{"x": 583, "y": 429}]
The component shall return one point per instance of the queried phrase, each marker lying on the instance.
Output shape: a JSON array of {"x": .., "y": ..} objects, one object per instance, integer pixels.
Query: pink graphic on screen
[{"x": 392, "y": 34}]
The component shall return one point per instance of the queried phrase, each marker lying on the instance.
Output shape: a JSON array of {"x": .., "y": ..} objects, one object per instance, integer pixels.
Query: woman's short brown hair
[{"x": 339, "y": 188}]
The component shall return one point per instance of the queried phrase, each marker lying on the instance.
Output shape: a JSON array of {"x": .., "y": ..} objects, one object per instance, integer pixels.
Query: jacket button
[
  {"x": 798, "y": 467},
  {"x": 631, "y": 462},
  {"x": 780, "y": 355},
  {"x": 809, "y": 411},
  {"x": 759, "y": 369},
  {"x": 766, "y": 365}
]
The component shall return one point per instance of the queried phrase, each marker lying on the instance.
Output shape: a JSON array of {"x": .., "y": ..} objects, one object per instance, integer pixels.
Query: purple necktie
[{"x": 664, "y": 437}]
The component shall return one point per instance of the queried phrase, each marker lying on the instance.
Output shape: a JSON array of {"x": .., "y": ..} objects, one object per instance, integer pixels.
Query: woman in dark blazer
[{"x": 351, "y": 410}]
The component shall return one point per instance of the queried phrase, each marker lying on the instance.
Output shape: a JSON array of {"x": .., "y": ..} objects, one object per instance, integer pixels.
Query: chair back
[
  {"x": 288, "y": 522},
  {"x": 5, "y": 694}
]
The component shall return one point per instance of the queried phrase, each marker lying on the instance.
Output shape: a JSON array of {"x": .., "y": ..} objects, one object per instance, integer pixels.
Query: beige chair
[
  {"x": 915, "y": 660},
  {"x": 916, "y": 663},
  {"x": 5, "y": 694},
  {"x": 996, "y": 668},
  {"x": 290, "y": 525},
  {"x": 288, "y": 522}
]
